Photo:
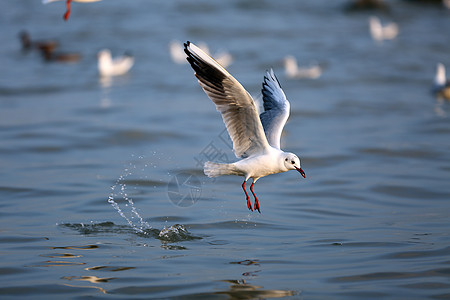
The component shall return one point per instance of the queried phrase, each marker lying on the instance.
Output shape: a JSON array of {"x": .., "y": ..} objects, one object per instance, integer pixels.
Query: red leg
[
  {"x": 249, "y": 204},
  {"x": 67, "y": 14},
  {"x": 256, "y": 198}
]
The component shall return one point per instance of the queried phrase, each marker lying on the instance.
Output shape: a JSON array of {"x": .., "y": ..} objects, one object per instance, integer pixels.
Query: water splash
[
  {"x": 171, "y": 234},
  {"x": 176, "y": 233},
  {"x": 141, "y": 226},
  {"x": 168, "y": 235}
]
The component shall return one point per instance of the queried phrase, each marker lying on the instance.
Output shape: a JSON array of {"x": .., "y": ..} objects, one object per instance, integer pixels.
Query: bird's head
[{"x": 292, "y": 162}]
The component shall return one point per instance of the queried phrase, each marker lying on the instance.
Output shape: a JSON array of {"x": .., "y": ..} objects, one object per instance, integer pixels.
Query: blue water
[{"x": 371, "y": 219}]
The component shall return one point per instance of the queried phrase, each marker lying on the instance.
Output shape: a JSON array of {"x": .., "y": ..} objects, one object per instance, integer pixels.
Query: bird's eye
[{"x": 292, "y": 162}]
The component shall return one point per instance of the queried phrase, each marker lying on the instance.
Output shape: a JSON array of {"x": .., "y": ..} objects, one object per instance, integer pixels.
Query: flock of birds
[
  {"x": 256, "y": 136},
  {"x": 107, "y": 65}
]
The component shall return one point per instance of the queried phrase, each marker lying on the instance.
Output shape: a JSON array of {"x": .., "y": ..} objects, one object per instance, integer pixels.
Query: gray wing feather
[
  {"x": 237, "y": 107},
  {"x": 276, "y": 109}
]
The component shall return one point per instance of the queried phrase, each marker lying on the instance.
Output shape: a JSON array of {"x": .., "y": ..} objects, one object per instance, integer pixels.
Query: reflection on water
[
  {"x": 62, "y": 255},
  {"x": 110, "y": 268},
  {"x": 240, "y": 289},
  {"x": 55, "y": 263},
  {"x": 86, "y": 247},
  {"x": 87, "y": 287},
  {"x": 246, "y": 262},
  {"x": 92, "y": 279}
]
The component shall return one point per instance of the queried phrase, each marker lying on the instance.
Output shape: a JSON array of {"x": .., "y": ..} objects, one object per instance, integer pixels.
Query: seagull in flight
[
  {"x": 68, "y": 5},
  {"x": 256, "y": 138}
]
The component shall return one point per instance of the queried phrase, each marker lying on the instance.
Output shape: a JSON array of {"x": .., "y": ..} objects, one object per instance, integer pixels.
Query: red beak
[{"x": 301, "y": 171}]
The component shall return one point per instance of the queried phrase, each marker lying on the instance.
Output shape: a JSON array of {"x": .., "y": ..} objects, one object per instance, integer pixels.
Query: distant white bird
[
  {"x": 107, "y": 66},
  {"x": 223, "y": 58},
  {"x": 178, "y": 56},
  {"x": 177, "y": 52},
  {"x": 441, "y": 86},
  {"x": 293, "y": 71},
  {"x": 256, "y": 139},
  {"x": 68, "y": 2},
  {"x": 380, "y": 32}
]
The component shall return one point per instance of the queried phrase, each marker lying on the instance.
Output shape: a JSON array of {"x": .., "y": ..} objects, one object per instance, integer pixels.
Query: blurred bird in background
[
  {"x": 178, "y": 56},
  {"x": 293, "y": 71},
  {"x": 441, "y": 86},
  {"x": 380, "y": 32},
  {"x": 109, "y": 66}
]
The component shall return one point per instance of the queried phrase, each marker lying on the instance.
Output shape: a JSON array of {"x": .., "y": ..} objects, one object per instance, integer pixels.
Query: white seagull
[
  {"x": 256, "y": 138},
  {"x": 380, "y": 32},
  {"x": 108, "y": 66},
  {"x": 293, "y": 71},
  {"x": 441, "y": 86}
]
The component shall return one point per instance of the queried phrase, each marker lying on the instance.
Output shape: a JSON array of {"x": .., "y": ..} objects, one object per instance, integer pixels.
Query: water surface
[{"x": 370, "y": 220}]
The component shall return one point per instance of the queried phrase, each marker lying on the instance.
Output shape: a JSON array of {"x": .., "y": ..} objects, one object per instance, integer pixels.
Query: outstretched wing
[
  {"x": 237, "y": 107},
  {"x": 276, "y": 109}
]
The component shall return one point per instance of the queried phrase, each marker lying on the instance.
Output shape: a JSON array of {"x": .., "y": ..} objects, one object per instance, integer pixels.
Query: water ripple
[
  {"x": 172, "y": 234},
  {"x": 402, "y": 153},
  {"x": 419, "y": 254},
  {"x": 409, "y": 192},
  {"x": 439, "y": 272}
]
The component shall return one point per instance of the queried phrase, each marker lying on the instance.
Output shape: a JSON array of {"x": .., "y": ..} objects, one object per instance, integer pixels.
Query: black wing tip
[
  {"x": 186, "y": 46},
  {"x": 203, "y": 70},
  {"x": 190, "y": 57}
]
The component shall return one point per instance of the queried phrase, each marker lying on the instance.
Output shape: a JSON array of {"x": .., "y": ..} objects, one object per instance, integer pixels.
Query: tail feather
[{"x": 217, "y": 169}]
